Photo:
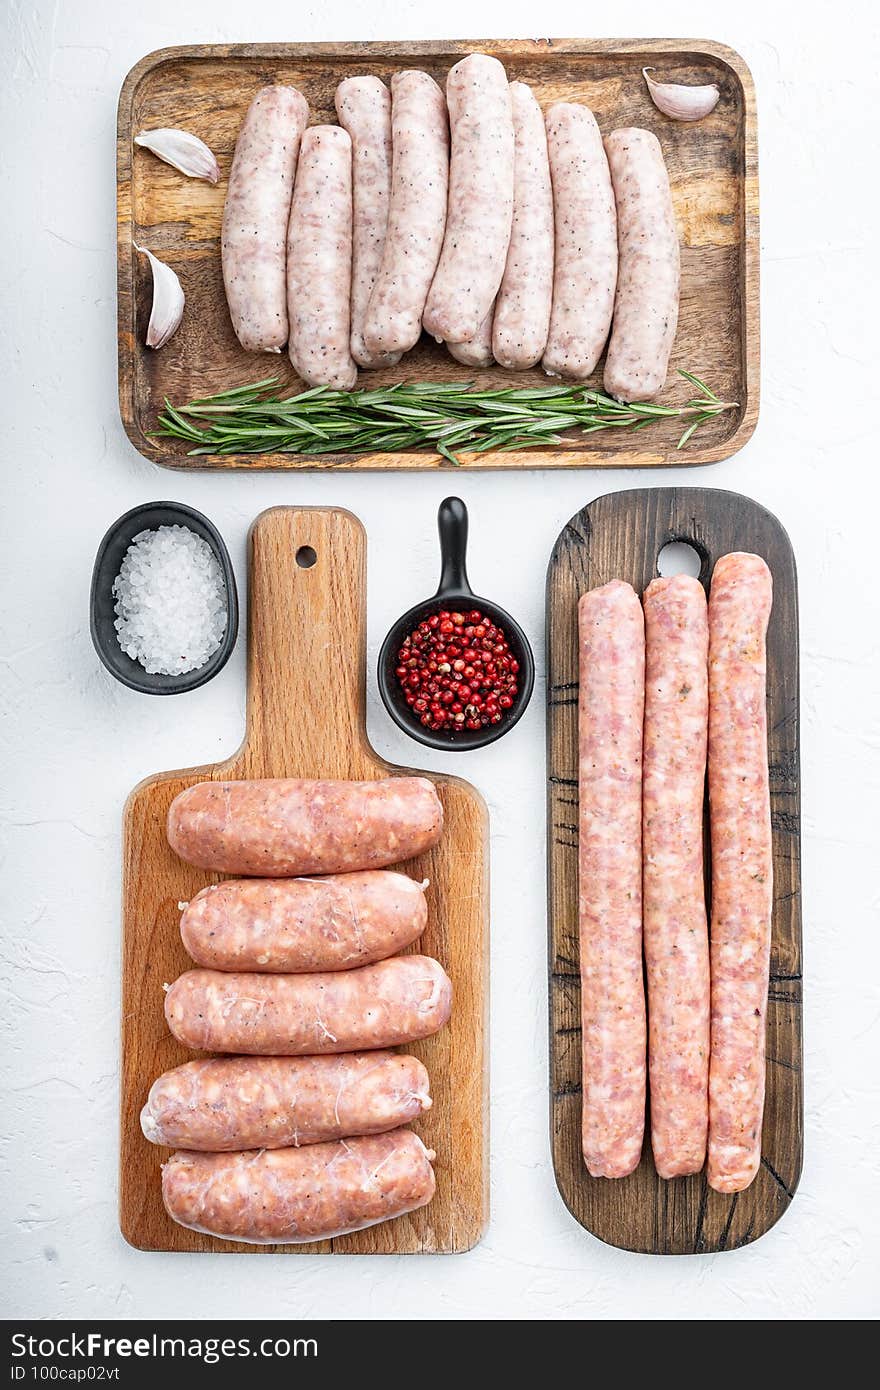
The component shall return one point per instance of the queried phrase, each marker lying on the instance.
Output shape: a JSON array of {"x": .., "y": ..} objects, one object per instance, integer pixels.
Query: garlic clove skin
[
  {"x": 183, "y": 151},
  {"x": 681, "y": 103},
  {"x": 168, "y": 301}
]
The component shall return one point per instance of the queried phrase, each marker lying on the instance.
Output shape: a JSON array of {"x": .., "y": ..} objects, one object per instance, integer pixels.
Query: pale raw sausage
[
  {"x": 740, "y": 600},
  {"x": 394, "y": 1001},
  {"x": 299, "y": 924},
  {"x": 291, "y": 1196},
  {"x": 476, "y": 351},
  {"x": 611, "y": 706},
  {"x": 227, "y": 1103},
  {"x": 281, "y": 826}
]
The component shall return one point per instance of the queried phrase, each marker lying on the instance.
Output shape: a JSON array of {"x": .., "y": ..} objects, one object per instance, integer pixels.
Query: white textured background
[{"x": 74, "y": 741}]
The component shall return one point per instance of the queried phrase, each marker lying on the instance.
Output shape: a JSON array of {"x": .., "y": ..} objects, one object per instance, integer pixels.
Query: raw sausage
[
  {"x": 522, "y": 310},
  {"x": 228, "y": 1103},
  {"x": 416, "y": 215},
  {"x": 255, "y": 214},
  {"x": 363, "y": 105},
  {"x": 740, "y": 600},
  {"x": 585, "y": 224},
  {"x": 676, "y": 936},
  {"x": 611, "y": 706},
  {"x": 646, "y": 306},
  {"x": 480, "y": 199},
  {"x": 395, "y": 1001},
  {"x": 300, "y": 924},
  {"x": 319, "y": 261},
  {"x": 476, "y": 351},
  {"x": 278, "y": 826},
  {"x": 290, "y": 1196}
]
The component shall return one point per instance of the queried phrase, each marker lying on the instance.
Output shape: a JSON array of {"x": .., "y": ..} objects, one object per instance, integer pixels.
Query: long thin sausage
[
  {"x": 253, "y": 238},
  {"x": 319, "y": 261},
  {"x": 416, "y": 215},
  {"x": 363, "y": 105},
  {"x": 585, "y": 224},
  {"x": 646, "y": 305},
  {"x": 611, "y": 706},
  {"x": 676, "y": 935},
  {"x": 291, "y": 1196},
  {"x": 279, "y": 827},
  {"x": 224, "y": 1104},
  {"x": 292, "y": 925},
  {"x": 740, "y": 600},
  {"x": 481, "y": 173},
  {"x": 395, "y": 1001},
  {"x": 522, "y": 309}
]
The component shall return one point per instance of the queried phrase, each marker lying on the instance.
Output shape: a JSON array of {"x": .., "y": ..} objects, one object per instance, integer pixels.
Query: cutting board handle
[{"x": 306, "y": 639}]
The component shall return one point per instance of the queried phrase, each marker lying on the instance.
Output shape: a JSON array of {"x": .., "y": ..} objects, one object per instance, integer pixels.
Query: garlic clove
[
  {"x": 182, "y": 151},
  {"x": 679, "y": 102},
  {"x": 168, "y": 301}
]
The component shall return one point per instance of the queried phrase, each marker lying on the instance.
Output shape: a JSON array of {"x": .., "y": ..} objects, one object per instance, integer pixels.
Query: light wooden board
[
  {"x": 305, "y": 718},
  {"x": 619, "y": 537},
  {"x": 713, "y": 166}
]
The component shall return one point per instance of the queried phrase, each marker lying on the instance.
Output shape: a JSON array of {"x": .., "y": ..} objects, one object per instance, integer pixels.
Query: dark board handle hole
[
  {"x": 306, "y": 557},
  {"x": 679, "y": 557}
]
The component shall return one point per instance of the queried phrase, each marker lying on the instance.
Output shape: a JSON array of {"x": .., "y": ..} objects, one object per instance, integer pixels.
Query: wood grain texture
[
  {"x": 306, "y": 625},
  {"x": 713, "y": 168},
  {"x": 619, "y": 537}
]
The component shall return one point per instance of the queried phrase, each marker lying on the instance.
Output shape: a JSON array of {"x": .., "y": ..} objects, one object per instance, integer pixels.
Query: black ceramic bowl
[
  {"x": 108, "y": 562},
  {"x": 454, "y": 593}
]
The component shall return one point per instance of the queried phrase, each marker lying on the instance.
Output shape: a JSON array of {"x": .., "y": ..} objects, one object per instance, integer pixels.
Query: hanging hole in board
[
  {"x": 679, "y": 558},
  {"x": 306, "y": 557}
]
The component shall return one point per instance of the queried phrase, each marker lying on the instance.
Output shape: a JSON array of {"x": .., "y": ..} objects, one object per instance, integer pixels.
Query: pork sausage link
[
  {"x": 395, "y": 1001},
  {"x": 611, "y": 705},
  {"x": 676, "y": 935},
  {"x": 229, "y": 1103},
  {"x": 280, "y": 827},
  {"x": 476, "y": 351},
  {"x": 299, "y": 924},
  {"x": 646, "y": 306},
  {"x": 416, "y": 215},
  {"x": 291, "y": 1196},
  {"x": 585, "y": 225},
  {"x": 480, "y": 200},
  {"x": 522, "y": 310},
  {"x": 363, "y": 105},
  {"x": 740, "y": 600},
  {"x": 319, "y": 261},
  {"x": 252, "y": 242}
]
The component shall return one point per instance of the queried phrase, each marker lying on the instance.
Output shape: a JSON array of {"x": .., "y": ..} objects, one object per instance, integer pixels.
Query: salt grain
[{"x": 170, "y": 601}]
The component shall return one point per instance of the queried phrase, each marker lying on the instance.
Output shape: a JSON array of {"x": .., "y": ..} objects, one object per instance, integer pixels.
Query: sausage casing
[{"x": 476, "y": 351}]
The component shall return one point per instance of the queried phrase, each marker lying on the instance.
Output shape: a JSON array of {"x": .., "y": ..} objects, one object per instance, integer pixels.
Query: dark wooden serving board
[
  {"x": 713, "y": 167},
  {"x": 619, "y": 537},
  {"x": 305, "y": 718}
]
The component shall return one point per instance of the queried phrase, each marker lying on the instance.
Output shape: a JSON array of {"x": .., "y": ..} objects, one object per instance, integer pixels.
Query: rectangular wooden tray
[
  {"x": 713, "y": 166},
  {"x": 619, "y": 537}
]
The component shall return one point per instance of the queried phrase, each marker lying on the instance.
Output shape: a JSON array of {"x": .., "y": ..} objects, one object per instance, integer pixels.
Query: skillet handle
[{"x": 452, "y": 524}]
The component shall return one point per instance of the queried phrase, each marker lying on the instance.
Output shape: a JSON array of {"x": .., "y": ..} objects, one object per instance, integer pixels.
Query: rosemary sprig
[{"x": 445, "y": 417}]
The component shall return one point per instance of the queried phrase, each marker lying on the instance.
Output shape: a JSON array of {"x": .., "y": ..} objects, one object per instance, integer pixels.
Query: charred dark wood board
[{"x": 620, "y": 536}]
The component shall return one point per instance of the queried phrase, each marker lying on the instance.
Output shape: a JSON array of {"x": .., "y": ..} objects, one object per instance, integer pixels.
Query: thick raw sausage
[
  {"x": 476, "y": 351},
  {"x": 228, "y": 1103},
  {"x": 522, "y": 309},
  {"x": 740, "y": 599},
  {"x": 480, "y": 199},
  {"x": 319, "y": 261},
  {"x": 290, "y": 1196},
  {"x": 298, "y": 924},
  {"x": 252, "y": 242},
  {"x": 394, "y": 1001},
  {"x": 277, "y": 827},
  {"x": 363, "y": 105},
  {"x": 416, "y": 215},
  {"x": 646, "y": 305},
  {"x": 585, "y": 224},
  {"x": 611, "y": 706},
  {"x": 676, "y": 935}
]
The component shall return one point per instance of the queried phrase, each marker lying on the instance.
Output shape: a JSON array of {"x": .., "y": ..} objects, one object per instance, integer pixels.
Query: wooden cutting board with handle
[
  {"x": 620, "y": 537},
  {"x": 306, "y": 718}
]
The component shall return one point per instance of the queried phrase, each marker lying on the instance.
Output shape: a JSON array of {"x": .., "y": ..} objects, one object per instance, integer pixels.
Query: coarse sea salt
[{"x": 170, "y": 601}]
